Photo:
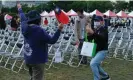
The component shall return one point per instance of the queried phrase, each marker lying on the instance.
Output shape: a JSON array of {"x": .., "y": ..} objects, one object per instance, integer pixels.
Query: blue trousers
[{"x": 95, "y": 65}]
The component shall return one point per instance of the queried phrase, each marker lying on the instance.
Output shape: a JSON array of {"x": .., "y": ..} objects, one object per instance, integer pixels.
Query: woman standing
[{"x": 14, "y": 24}]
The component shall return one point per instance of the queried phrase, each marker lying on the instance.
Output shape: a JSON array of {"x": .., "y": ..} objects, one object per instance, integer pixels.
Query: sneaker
[{"x": 107, "y": 78}]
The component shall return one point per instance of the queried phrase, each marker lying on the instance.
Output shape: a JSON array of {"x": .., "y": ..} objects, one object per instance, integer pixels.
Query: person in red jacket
[{"x": 45, "y": 21}]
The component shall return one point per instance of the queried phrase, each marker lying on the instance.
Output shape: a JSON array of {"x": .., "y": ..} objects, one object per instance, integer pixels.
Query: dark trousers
[
  {"x": 36, "y": 71},
  {"x": 84, "y": 60}
]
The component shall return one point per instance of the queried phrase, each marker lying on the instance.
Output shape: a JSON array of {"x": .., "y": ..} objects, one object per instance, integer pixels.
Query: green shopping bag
[{"x": 88, "y": 48}]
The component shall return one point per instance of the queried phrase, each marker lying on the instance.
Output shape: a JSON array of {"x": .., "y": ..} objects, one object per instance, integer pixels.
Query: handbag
[{"x": 88, "y": 48}]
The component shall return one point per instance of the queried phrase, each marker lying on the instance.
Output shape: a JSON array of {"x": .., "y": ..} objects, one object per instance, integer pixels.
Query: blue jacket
[
  {"x": 106, "y": 22},
  {"x": 36, "y": 41}
]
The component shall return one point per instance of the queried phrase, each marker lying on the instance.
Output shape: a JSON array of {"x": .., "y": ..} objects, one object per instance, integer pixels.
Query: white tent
[
  {"x": 131, "y": 14},
  {"x": 44, "y": 14},
  {"x": 72, "y": 13},
  {"x": 110, "y": 13},
  {"x": 96, "y": 12},
  {"x": 85, "y": 13},
  {"x": 52, "y": 13},
  {"x": 122, "y": 14}
]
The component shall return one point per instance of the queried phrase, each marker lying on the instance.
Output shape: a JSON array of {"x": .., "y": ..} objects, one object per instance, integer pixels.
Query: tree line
[{"x": 88, "y": 6}]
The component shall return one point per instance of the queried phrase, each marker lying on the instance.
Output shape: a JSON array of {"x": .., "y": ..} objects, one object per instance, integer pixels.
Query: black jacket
[
  {"x": 14, "y": 24},
  {"x": 100, "y": 38},
  {"x": 2, "y": 22}
]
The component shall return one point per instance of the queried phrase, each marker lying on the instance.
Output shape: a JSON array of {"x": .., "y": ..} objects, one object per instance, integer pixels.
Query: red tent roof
[
  {"x": 110, "y": 13},
  {"x": 72, "y": 13},
  {"x": 52, "y": 13},
  {"x": 122, "y": 14},
  {"x": 96, "y": 12}
]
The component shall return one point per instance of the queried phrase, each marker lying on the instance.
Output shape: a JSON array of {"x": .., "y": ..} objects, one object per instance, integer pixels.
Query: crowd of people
[
  {"x": 119, "y": 22},
  {"x": 14, "y": 22}
]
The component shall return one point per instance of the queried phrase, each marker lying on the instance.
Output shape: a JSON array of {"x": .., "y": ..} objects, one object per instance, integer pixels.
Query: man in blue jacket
[{"x": 36, "y": 42}]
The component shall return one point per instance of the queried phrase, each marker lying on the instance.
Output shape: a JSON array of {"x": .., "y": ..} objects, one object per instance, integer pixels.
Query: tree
[
  {"x": 88, "y": 6},
  {"x": 130, "y": 5},
  {"x": 121, "y": 5}
]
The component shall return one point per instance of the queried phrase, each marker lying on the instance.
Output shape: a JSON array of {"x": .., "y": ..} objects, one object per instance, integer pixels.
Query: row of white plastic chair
[{"x": 120, "y": 41}]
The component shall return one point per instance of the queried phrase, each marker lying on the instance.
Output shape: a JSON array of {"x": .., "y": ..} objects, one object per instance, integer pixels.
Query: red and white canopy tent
[
  {"x": 110, "y": 14},
  {"x": 72, "y": 13},
  {"x": 131, "y": 14},
  {"x": 8, "y": 17},
  {"x": 44, "y": 14},
  {"x": 96, "y": 12},
  {"x": 122, "y": 14},
  {"x": 85, "y": 13},
  {"x": 52, "y": 13}
]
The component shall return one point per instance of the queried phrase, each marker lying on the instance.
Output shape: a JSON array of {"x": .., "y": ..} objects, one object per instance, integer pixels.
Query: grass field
[{"x": 118, "y": 70}]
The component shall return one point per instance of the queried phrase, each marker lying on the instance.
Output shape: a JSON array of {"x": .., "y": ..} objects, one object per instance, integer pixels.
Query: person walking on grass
[
  {"x": 36, "y": 42},
  {"x": 100, "y": 37},
  {"x": 80, "y": 32}
]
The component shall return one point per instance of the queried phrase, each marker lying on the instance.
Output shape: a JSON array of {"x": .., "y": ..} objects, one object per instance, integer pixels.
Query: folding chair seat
[
  {"x": 124, "y": 30},
  {"x": 48, "y": 32},
  {"x": 71, "y": 31},
  {"x": 6, "y": 37},
  {"x": 131, "y": 35},
  {"x": 52, "y": 33},
  {"x": 73, "y": 43},
  {"x": 111, "y": 34},
  {"x": 119, "y": 30},
  {"x": 19, "y": 45},
  {"x": 118, "y": 36},
  {"x": 69, "y": 34},
  {"x": 2, "y": 32},
  {"x": 15, "y": 39},
  {"x": 1, "y": 37},
  {"x": 7, "y": 42},
  {"x": 62, "y": 32},
  {"x": 66, "y": 37},
  {"x": 125, "y": 35},
  {"x": 56, "y": 46},
  {"x": 114, "y": 30},
  {"x": 124, "y": 26}
]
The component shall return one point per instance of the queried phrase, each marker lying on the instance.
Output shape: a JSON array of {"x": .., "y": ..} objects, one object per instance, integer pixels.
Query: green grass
[{"x": 118, "y": 70}]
